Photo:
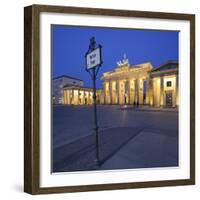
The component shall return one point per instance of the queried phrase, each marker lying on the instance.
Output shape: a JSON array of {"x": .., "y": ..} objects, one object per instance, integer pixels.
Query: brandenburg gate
[{"x": 126, "y": 84}]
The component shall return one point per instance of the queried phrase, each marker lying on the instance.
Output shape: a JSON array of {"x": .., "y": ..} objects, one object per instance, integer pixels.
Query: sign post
[{"x": 93, "y": 63}]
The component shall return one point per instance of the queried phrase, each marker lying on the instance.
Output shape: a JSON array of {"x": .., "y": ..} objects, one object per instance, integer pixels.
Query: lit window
[{"x": 169, "y": 83}]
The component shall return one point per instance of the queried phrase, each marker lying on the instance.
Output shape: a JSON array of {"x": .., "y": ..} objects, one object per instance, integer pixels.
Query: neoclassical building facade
[
  {"x": 59, "y": 83},
  {"x": 132, "y": 85},
  {"x": 77, "y": 95},
  {"x": 164, "y": 85},
  {"x": 126, "y": 84}
]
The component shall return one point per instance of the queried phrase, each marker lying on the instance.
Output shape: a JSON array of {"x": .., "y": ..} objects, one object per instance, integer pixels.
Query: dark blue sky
[{"x": 69, "y": 45}]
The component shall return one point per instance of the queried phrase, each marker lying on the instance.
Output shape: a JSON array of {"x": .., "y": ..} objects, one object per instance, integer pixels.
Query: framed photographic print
[{"x": 109, "y": 99}]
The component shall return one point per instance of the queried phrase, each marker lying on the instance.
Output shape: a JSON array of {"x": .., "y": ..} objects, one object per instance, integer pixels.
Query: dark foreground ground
[{"x": 128, "y": 138}]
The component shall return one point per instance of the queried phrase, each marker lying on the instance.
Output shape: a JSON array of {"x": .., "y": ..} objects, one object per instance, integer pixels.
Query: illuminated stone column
[
  {"x": 91, "y": 97},
  {"x": 174, "y": 92},
  {"x": 151, "y": 92},
  {"x": 132, "y": 91},
  {"x": 128, "y": 91},
  {"x": 84, "y": 97},
  {"x": 156, "y": 92},
  {"x": 68, "y": 96},
  {"x": 110, "y": 93},
  {"x": 147, "y": 91},
  {"x": 75, "y": 97},
  {"x": 120, "y": 92},
  {"x": 140, "y": 91},
  {"x": 102, "y": 97},
  {"x": 107, "y": 93},
  {"x": 123, "y": 89},
  {"x": 79, "y": 95},
  {"x": 161, "y": 92},
  {"x": 113, "y": 94},
  {"x": 117, "y": 91},
  {"x": 136, "y": 90},
  {"x": 64, "y": 97},
  {"x": 104, "y": 93},
  {"x": 72, "y": 96},
  {"x": 88, "y": 97},
  {"x": 125, "y": 95}
]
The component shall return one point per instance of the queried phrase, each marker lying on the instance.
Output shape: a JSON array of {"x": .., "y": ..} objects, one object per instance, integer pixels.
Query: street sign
[
  {"x": 93, "y": 63},
  {"x": 93, "y": 58}
]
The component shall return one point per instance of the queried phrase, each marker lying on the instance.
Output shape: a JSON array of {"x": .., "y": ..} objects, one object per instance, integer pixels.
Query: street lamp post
[{"x": 93, "y": 63}]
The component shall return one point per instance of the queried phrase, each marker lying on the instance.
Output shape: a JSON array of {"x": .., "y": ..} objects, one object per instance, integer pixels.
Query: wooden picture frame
[{"x": 32, "y": 107}]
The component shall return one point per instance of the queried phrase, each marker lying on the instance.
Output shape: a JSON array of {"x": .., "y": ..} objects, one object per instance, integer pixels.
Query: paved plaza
[{"x": 128, "y": 137}]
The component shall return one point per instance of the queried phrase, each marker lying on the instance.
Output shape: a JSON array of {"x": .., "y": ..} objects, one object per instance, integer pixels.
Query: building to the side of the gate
[
  {"x": 164, "y": 88},
  {"x": 58, "y": 83},
  {"x": 79, "y": 95}
]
